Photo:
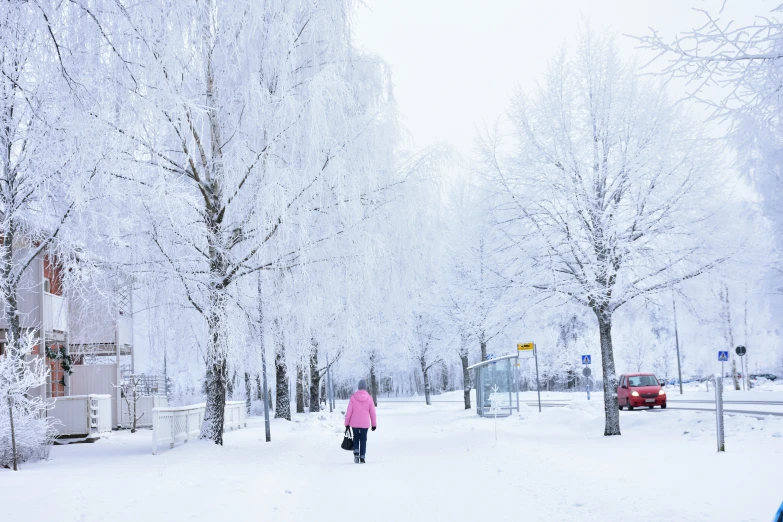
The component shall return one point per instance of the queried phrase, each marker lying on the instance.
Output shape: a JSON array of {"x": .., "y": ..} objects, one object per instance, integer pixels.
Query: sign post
[
  {"x": 723, "y": 356},
  {"x": 719, "y": 411},
  {"x": 586, "y": 372},
  {"x": 587, "y": 359},
  {"x": 523, "y": 351},
  {"x": 741, "y": 351}
]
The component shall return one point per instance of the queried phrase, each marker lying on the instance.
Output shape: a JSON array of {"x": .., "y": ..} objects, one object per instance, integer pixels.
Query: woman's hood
[{"x": 361, "y": 395}]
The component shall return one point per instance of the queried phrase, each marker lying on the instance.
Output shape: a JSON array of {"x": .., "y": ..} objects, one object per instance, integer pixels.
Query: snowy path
[{"x": 424, "y": 464}]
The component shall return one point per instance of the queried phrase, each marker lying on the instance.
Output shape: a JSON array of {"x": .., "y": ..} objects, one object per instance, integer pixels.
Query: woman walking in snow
[{"x": 359, "y": 417}]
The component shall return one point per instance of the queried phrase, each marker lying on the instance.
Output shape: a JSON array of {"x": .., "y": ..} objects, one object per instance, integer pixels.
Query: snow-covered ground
[{"x": 424, "y": 464}]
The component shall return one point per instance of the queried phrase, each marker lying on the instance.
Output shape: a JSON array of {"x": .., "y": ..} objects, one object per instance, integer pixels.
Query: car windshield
[{"x": 643, "y": 380}]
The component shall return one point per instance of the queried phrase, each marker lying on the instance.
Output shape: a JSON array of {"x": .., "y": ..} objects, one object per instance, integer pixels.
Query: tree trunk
[
  {"x": 483, "y": 346},
  {"x": 230, "y": 385},
  {"x": 300, "y": 394},
  {"x": 248, "y": 392},
  {"x": 315, "y": 377},
  {"x": 259, "y": 389},
  {"x": 730, "y": 336},
  {"x": 135, "y": 401},
  {"x": 283, "y": 402},
  {"x": 10, "y": 289},
  {"x": 13, "y": 433},
  {"x": 426, "y": 371},
  {"x": 466, "y": 383},
  {"x": 373, "y": 381},
  {"x": 611, "y": 406},
  {"x": 216, "y": 237},
  {"x": 214, "y": 415}
]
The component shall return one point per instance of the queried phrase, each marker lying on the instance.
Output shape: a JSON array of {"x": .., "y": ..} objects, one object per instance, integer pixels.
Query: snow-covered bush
[
  {"x": 34, "y": 435},
  {"x": 25, "y": 434}
]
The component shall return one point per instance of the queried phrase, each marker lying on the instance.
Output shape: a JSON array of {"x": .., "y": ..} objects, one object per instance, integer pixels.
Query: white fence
[
  {"x": 235, "y": 415},
  {"x": 180, "y": 424},
  {"x": 176, "y": 424},
  {"x": 144, "y": 406},
  {"x": 82, "y": 415}
]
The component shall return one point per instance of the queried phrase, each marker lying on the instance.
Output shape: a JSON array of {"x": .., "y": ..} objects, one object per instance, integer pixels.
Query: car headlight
[
  {"x": 661, "y": 392},
  {"x": 635, "y": 393}
]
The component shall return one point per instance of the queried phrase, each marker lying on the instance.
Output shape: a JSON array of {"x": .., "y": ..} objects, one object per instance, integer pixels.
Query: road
[
  {"x": 757, "y": 409},
  {"x": 754, "y": 408}
]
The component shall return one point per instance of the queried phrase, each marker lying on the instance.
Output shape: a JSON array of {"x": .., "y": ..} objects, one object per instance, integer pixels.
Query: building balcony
[{"x": 55, "y": 313}]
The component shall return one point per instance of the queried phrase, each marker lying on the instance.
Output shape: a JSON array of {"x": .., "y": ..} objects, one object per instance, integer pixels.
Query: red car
[{"x": 640, "y": 389}]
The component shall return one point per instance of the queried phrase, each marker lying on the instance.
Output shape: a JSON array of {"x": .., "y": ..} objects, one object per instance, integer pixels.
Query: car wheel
[
  {"x": 663, "y": 406},
  {"x": 630, "y": 408},
  {"x": 620, "y": 406}
]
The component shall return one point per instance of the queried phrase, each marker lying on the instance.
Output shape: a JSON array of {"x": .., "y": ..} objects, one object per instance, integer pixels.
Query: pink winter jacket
[{"x": 361, "y": 411}]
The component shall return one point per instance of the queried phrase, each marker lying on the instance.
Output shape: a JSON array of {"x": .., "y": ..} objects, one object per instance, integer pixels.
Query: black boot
[
  {"x": 355, "y": 458},
  {"x": 361, "y": 460}
]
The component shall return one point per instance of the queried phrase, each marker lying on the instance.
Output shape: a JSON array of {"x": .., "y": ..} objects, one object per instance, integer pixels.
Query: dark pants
[{"x": 360, "y": 441}]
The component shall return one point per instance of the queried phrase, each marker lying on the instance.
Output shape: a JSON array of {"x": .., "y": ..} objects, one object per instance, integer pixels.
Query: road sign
[
  {"x": 723, "y": 356},
  {"x": 526, "y": 350},
  {"x": 741, "y": 351},
  {"x": 490, "y": 356},
  {"x": 586, "y": 371},
  {"x": 586, "y": 359}
]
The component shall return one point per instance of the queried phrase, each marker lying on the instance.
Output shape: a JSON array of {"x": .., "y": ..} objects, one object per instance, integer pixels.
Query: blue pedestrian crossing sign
[
  {"x": 723, "y": 356},
  {"x": 586, "y": 359}
]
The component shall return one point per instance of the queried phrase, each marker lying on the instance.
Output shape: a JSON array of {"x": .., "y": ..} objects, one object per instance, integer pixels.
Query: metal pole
[
  {"x": 747, "y": 368},
  {"x": 538, "y": 384},
  {"x": 266, "y": 395},
  {"x": 719, "y": 411},
  {"x": 516, "y": 380},
  {"x": 508, "y": 382},
  {"x": 677, "y": 342},
  {"x": 263, "y": 359}
]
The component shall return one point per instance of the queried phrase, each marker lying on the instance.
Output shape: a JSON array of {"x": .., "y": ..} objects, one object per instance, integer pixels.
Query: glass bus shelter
[{"x": 497, "y": 389}]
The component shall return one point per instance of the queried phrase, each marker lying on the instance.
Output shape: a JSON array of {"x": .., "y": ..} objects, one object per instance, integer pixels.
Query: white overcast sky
[{"x": 456, "y": 62}]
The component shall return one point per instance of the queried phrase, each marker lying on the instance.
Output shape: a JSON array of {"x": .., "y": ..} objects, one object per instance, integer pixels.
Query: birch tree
[
  {"x": 44, "y": 177},
  {"x": 241, "y": 128},
  {"x": 606, "y": 192},
  {"x": 476, "y": 291}
]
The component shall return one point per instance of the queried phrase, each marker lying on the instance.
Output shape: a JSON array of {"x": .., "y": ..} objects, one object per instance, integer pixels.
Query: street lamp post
[{"x": 677, "y": 341}]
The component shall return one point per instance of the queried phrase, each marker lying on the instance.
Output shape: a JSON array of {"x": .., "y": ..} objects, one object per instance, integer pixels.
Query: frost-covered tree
[
  {"x": 426, "y": 348},
  {"x": 249, "y": 131},
  {"x": 473, "y": 291},
  {"x": 45, "y": 175},
  {"x": 608, "y": 190},
  {"x": 476, "y": 290},
  {"x": 25, "y": 433},
  {"x": 734, "y": 65}
]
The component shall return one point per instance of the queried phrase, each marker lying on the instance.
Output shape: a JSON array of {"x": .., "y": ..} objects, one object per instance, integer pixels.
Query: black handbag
[{"x": 347, "y": 440}]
